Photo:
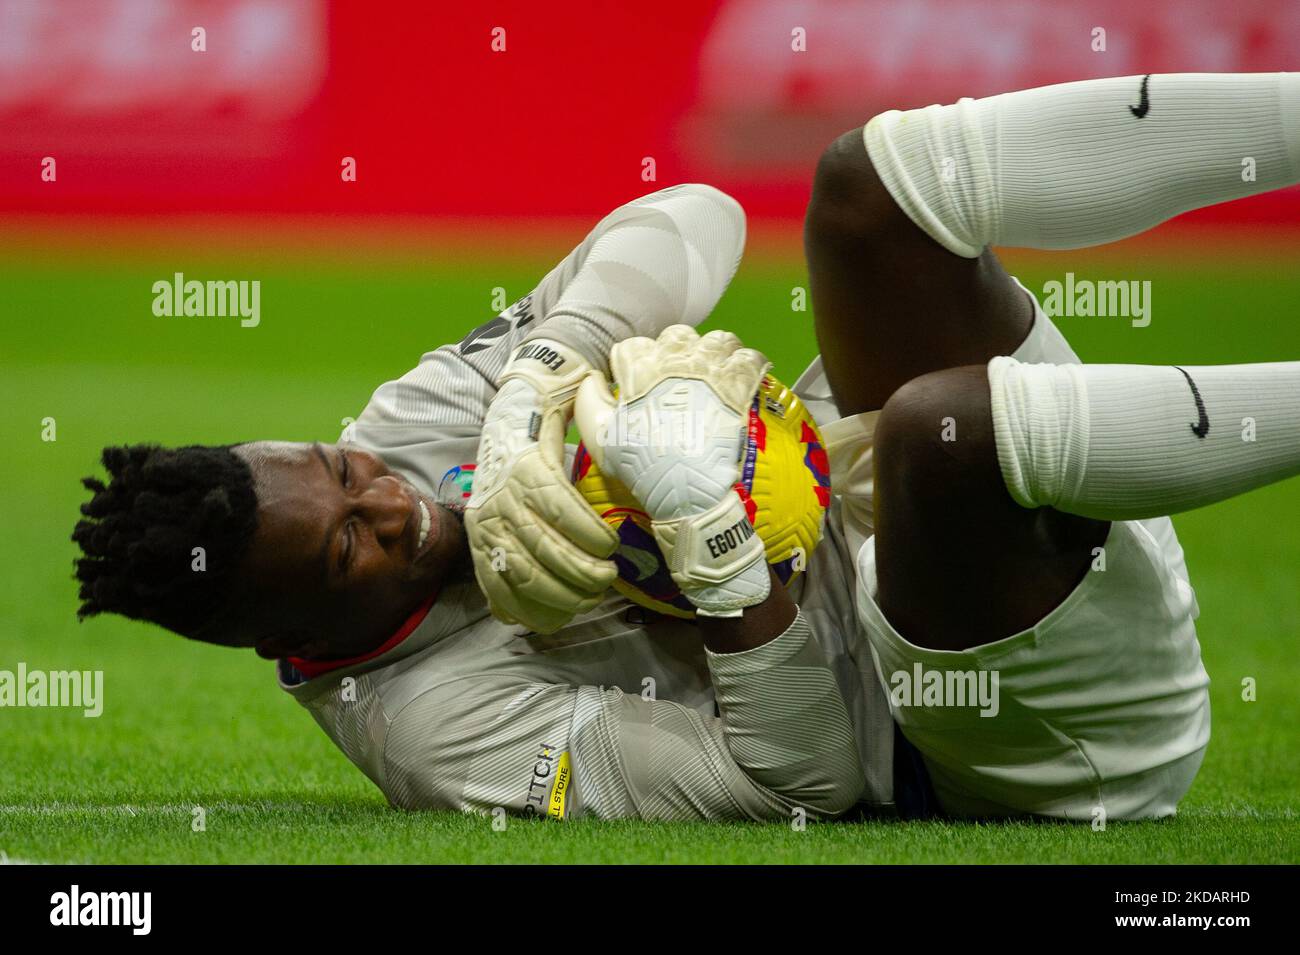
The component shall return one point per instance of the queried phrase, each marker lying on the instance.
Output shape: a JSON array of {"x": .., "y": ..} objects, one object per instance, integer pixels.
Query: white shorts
[{"x": 1102, "y": 708}]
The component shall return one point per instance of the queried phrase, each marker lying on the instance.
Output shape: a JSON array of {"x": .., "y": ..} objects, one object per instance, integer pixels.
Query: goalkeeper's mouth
[
  {"x": 430, "y": 528},
  {"x": 425, "y": 525}
]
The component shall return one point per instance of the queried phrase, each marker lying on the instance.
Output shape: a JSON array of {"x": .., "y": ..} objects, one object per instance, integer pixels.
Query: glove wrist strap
[
  {"x": 551, "y": 367},
  {"x": 710, "y": 547}
]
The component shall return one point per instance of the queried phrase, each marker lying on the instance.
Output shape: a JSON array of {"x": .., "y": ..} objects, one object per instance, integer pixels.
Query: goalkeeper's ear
[{"x": 593, "y": 411}]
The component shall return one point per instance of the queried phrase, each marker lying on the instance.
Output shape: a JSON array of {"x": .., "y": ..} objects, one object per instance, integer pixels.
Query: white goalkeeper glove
[
  {"x": 538, "y": 548},
  {"x": 674, "y": 437}
]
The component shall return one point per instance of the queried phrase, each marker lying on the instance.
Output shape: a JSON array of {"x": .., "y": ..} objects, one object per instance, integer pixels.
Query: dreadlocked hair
[{"x": 138, "y": 534}]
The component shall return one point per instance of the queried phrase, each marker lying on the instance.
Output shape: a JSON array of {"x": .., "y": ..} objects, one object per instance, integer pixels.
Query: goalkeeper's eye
[
  {"x": 348, "y": 547},
  {"x": 345, "y": 470}
]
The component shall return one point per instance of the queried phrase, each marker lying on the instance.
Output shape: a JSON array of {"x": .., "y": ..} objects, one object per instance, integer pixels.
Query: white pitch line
[
  {"x": 7, "y": 859},
  {"x": 1286, "y": 814},
  {"x": 133, "y": 809}
]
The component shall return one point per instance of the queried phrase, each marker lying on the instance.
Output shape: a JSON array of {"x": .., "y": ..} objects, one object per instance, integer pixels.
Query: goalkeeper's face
[{"x": 345, "y": 550}]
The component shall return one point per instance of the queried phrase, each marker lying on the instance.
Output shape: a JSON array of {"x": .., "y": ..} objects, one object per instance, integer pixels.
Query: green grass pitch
[{"x": 186, "y": 725}]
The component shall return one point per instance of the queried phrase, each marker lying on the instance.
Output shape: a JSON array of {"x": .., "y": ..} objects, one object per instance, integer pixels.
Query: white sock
[
  {"x": 1062, "y": 167},
  {"x": 1130, "y": 442}
]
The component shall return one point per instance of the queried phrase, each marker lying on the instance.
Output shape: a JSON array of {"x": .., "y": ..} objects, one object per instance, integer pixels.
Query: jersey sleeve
[
  {"x": 783, "y": 741},
  {"x": 662, "y": 259}
]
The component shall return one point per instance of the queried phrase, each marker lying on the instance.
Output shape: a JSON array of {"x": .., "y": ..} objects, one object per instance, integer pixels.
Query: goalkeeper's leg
[
  {"x": 903, "y": 283},
  {"x": 1107, "y": 442}
]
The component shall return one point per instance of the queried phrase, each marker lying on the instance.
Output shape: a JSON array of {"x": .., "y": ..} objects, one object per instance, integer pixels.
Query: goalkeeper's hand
[
  {"x": 674, "y": 437},
  {"x": 539, "y": 549}
]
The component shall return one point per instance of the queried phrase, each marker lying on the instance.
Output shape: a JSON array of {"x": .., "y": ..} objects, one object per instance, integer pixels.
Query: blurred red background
[{"x": 560, "y": 122}]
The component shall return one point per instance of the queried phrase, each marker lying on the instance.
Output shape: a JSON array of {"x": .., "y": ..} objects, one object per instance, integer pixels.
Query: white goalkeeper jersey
[{"x": 623, "y": 713}]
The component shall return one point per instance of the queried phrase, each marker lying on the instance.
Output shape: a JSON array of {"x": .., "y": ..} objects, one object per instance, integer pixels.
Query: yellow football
[{"x": 784, "y": 481}]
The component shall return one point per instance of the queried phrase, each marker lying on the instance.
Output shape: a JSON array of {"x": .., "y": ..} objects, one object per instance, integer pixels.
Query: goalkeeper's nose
[{"x": 387, "y": 508}]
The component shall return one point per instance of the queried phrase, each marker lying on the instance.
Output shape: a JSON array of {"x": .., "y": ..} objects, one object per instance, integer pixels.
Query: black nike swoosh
[
  {"x": 1144, "y": 102},
  {"x": 1202, "y": 426},
  {"x": 485, "y": 336}
]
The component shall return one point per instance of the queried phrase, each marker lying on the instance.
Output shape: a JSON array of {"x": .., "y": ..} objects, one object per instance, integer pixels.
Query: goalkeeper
[{"x": 351, "y": 566}]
